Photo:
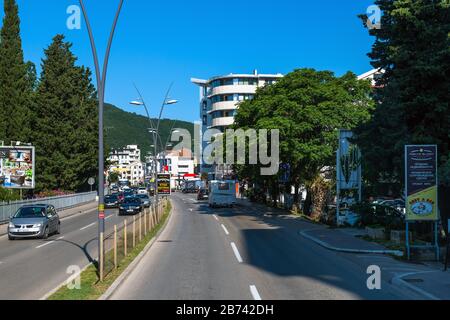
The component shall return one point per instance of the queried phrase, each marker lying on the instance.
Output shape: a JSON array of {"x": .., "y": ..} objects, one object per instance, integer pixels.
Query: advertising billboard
[
  {"x": 164, "y": 184},
  {"x": 348, "y": 163},
  {"x": 17, "y": 167},
  {"x": 421, "y": 183}
]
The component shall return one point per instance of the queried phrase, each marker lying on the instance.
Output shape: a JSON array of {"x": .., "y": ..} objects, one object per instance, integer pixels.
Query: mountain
[{"x": 125, "y": 128}]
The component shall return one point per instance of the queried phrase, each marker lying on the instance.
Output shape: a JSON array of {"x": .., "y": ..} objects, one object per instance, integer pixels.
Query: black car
[
  {"x": 131, "y": 205},
  {"x": 146, "y": 201},
  {"x": 112, "y": 201}
]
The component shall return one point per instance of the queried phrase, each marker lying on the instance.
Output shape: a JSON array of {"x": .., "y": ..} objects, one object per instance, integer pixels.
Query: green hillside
[{"x": 124, "y": 128}]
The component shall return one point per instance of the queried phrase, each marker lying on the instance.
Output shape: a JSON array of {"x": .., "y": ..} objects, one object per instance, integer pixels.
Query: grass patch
[
  {"x": 388, "y": 245},
  {"x": 91, "y": 287}
]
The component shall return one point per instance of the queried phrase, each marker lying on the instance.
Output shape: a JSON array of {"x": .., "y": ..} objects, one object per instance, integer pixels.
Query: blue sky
[{"x": 158, "y": 42}]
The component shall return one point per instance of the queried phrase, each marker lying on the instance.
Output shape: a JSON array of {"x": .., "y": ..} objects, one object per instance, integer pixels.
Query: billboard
[
  {"x": 164, "y": 184},
  {"x": 17, "y": 167},
  {"x": 348, "y": 163},
  {"x": 421, "y": 183}
]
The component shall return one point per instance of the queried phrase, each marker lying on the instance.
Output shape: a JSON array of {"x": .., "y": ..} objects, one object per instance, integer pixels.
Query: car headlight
[
  {"x": 11, "y": 225},
  {"x": 37, "y": 225},
  {"x": 122, "y": 208}
]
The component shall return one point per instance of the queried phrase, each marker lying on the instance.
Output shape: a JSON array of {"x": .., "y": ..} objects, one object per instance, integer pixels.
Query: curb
[
  {"x": 327, "y": 246},
  {"x": 398, "y": 281},
  {"x": 125, "y": 274}
]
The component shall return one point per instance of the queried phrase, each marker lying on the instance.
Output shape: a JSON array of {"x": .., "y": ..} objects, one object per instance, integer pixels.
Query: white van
[{"x": 222, "y": 193}]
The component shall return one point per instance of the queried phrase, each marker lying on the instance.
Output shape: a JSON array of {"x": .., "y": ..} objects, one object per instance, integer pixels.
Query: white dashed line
[
  {"x": 88, "y": 226},
  {"x": 215, "y": 217},
  {"x": 108, "y": 217},
  {"x": 236, "y": 252},
  {"x": 225, "y": 229},
  {"x": 255, "y": 293},
  {"x": 45, "y": 244}
]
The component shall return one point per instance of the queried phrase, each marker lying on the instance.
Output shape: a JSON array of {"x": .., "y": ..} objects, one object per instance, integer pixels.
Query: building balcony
[
  {"x": 224, "y": 105},
  {"x": 222, "y": 122},
  {"x": 244, "y": 89}
]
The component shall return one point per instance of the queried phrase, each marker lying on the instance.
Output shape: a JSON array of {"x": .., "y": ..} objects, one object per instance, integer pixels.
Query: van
[{"x": 222, "y": 193}]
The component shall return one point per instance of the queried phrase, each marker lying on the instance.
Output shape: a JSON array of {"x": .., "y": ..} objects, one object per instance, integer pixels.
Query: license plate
[{"x": 131, "y": 210}]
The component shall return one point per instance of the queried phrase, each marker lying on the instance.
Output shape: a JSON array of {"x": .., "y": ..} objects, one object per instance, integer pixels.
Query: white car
[{"x": 142, "y": 191}]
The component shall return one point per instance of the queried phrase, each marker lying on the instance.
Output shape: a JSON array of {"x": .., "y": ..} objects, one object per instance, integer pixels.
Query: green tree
[
  {"x": 65, "y": 130},
  {"x": 308, "y": 107},
  {"x": 413, "y": 47},
  {"x": 15, "y": 87}
]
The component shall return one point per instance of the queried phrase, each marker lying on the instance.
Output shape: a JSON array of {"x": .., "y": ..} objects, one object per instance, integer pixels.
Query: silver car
[{"x": 34, "y": 221}]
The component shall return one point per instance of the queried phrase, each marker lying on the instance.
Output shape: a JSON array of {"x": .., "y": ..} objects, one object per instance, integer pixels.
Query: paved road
[
  {"x": 31, "y": 268},
  {"x": 236, "y": 254}
]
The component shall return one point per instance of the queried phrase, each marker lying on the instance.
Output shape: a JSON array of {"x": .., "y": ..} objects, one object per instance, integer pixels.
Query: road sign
[
  {"x": 91, "y": 181},
  {"x": 164, "y": 184}
]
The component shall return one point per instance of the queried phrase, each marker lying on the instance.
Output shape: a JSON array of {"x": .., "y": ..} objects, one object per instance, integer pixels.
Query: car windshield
[
  {"x": 132, "y": 200},
  {"x": 30, "y": 212},
  {"x": 111, "y": 198}
]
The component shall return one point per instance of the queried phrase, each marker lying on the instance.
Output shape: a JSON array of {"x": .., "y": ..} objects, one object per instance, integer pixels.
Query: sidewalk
[{"x": 63, "y": 214}]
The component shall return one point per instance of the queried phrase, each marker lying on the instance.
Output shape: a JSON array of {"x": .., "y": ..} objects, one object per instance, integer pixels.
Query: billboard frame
[
  {"x": 33, "y": 163},
  {"x": 435, "y": 222}
]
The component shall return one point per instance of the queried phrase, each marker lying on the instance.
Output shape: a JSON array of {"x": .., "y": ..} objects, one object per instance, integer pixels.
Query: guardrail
[{"x": 60, "y": 202}]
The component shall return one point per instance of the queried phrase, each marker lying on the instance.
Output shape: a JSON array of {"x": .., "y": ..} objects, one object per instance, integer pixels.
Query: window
[
  {"x": 247, "y": 82},
  {"x": 205, "y": 120},
  {"x": 205, "y": 105},
  {"x": 222, "y": 82},
  {"x": 222, "y": 97}
]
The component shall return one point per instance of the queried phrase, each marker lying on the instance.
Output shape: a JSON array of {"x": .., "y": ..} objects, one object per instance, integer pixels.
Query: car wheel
[
  {"x": 11, "y": 238},
  {"x": 46, "y": 232}
]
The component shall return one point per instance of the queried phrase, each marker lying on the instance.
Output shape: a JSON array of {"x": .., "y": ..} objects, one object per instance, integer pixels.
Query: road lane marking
[
  {"x": 255, "y": 293},
  {"x": 191, "y": 210},
  {"x": 225, "y": 229},
  {"x": 50, "y": 242},
  {"x": 236, "y": 252},
  {"x": 45, "y": 244},
  {"x": 88, "y": 226},
  {"x": 108, "y": 217},
  {"x": 215, "y": 217}
]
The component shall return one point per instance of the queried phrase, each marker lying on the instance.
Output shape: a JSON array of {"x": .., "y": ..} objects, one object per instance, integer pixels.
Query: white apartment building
[
  {"x": 127, "y": 163},
  {"x": 180, "y": 164},
  {"x": 220, "y": 97},
  {"x": 372, "y": 75}
]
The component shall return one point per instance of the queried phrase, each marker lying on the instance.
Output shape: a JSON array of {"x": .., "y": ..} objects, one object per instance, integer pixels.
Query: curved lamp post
[
  {"x": 101, "y": 83},
  {"x": 155, "y": 132}
]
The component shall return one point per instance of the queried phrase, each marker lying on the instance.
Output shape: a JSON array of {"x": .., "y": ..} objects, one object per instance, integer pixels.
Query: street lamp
[
  {"x": 101, "y": 84},
  {"x": 155, "y": 131}
]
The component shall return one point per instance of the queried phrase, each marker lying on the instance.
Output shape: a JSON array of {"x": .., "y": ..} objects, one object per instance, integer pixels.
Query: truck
[{"x": 222, "y": 193}]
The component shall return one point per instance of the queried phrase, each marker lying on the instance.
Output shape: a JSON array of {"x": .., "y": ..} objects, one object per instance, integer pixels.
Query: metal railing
[{"x": 59, "y": 202}]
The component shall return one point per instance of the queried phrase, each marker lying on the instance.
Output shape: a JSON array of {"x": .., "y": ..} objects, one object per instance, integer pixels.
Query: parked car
[
  {"x": 145, "y": 200},
  {"x": 34, "y": 221},
  {"x": 202, "y": 194},
  {"x": 112, "y": 201},
  {"x": 131, "y": 205}
]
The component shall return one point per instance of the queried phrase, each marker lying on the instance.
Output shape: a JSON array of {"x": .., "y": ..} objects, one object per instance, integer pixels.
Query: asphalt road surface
[
  {"x": 240, "y": 254},
  {"x": 29, "y": 269}
]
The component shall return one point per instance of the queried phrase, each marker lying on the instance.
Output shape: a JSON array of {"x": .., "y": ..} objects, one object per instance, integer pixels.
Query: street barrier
[
  {"x": 59, "y": 202},
  {"x": 121, "y": 241}
]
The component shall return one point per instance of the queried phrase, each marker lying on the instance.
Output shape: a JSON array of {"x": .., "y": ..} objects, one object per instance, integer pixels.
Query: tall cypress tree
[
  {"x": 14, "y": 84},
  {"x": 413, "y": 47},
  {"x": 66, "y": 121}
]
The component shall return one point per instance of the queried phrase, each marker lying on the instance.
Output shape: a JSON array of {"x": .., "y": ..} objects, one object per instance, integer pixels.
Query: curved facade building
[{"x": 220, "y": 97}]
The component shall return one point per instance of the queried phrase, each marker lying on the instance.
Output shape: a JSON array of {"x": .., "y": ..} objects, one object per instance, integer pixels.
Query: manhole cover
[{"x": 414, "y": 280}]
